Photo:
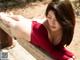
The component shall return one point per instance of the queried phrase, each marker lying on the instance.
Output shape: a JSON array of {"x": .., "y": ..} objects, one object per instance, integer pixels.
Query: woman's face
[
  {"x": 52, "y": 21},
  {"x": 55, "y": 27}
]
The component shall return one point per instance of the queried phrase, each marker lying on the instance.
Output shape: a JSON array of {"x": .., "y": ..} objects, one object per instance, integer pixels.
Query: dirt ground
[{"x": 38, "y": 9}]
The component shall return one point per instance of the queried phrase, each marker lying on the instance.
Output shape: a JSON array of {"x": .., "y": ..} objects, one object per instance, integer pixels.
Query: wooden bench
[{"x": 24, "y": 51}]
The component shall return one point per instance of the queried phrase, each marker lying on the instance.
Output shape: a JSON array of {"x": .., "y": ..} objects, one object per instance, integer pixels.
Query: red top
[{"x": 39, "y": 37}]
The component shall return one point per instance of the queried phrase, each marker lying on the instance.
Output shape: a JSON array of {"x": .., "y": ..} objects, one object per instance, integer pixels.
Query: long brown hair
[{"x": 65, "y": 16}]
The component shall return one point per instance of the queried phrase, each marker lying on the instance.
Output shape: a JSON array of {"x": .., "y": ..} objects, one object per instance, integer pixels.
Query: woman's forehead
[{"x": 51, "y": 13}]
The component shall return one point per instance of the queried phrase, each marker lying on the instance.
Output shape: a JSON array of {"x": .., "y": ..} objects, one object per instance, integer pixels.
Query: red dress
[{"x": 39, "y": 37}]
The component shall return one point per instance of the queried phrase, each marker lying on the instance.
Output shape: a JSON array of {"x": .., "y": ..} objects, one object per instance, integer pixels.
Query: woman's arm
[{"x": 20, "y": 29}]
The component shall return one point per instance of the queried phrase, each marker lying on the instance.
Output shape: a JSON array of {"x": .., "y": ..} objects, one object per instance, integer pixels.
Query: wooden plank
[
  {"x": 18, "y": 53},
  {"x": 37, "y": 53},
  {"x": 32, "y": 53}
]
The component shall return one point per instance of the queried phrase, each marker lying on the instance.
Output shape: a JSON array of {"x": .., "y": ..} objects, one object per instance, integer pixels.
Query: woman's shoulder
[{"x": 39, "y": 20}]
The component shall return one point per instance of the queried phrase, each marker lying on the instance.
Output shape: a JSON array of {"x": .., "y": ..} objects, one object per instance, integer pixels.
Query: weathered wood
[
  {"x": 24, "y": 50},
  {"x": 18, "y": 53}
]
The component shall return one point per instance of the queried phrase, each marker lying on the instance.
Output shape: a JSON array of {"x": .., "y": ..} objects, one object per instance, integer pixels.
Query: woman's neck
[
  {"x": 46, "y": 25},
  {"x": 54, "y": 36}
]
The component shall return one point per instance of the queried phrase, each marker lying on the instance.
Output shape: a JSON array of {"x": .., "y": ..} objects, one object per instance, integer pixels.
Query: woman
[{"x": 51, "y": 34}]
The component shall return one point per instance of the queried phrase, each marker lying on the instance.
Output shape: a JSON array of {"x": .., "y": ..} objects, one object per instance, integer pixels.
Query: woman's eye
[{"x": 49, "y": 18}]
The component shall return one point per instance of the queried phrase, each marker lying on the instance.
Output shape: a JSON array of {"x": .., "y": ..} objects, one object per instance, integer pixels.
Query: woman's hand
[{"x": 17, "y": 17}]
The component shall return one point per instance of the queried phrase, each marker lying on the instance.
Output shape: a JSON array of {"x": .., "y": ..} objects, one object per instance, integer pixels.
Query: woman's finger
[{"x": 15, "y": 17}]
